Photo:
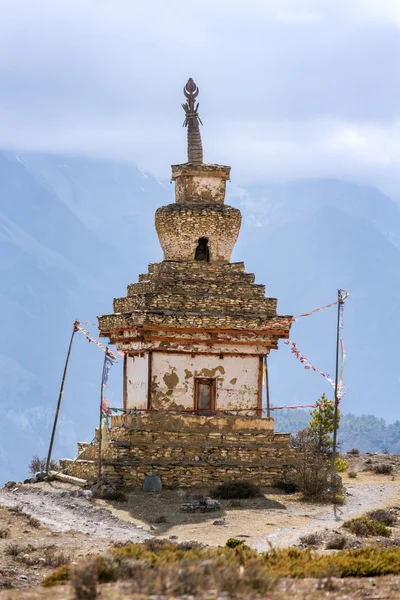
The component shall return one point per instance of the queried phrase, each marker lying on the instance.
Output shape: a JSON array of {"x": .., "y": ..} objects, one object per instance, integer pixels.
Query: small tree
[
  {"x": 321, "y": 424},
  {"x": 313, "y": 445},
  {"x": 38, "y": 465}
]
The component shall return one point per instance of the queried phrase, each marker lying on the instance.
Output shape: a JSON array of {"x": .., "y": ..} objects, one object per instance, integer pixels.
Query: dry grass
[
  {"x": 33, "y": 522},
  {"x": 4, "y": 533},
  {"x": 312, "y": 540},
  {"x": 18, "y": 508},
  {"x": 159, "y": 567},
  {"x": 84, "y": 581},
  {"x": 14, "y": 549}
]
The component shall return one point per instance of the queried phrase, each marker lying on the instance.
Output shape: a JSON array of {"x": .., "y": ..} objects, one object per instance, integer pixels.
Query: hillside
[{"x": 56, "y": 525}]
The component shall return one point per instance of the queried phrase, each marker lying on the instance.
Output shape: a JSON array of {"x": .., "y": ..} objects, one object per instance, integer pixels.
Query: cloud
[{"x": 289, "y": 88}]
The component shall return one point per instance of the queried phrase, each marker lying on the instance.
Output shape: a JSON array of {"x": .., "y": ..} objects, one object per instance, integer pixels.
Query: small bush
[
  {"x": 352, "y": 474},
  {"x": 364, "y": 527},
  {"x": 55, "y": 559},
  {"x": 58, "y": 577},
  {"x": 4, "y": 533},
  {"x": 312, "y": 473},
  {"x": 339, "y": 499},
  {"x": 160, "y": 519},
  {"x": 336, "y": 541},
  {"x": 285, "y": 486},
  {"x": 33, "y": 522},
  {"x": 236, "y": 489},
  {"x": 354, "y": 451},
  {"x": 38, "y": 465},
  {"x": 84, "y": 581},
  {"x": 312, "y": 539},
  {"x": 14, "y": 549},
  {"x": 382, "y": 515},
  {"x": 341, "y": 465},
  {"x": 383, "y": 469},
  {"x": 234, "y": 542},
  {"x": 368, "y": 461}
]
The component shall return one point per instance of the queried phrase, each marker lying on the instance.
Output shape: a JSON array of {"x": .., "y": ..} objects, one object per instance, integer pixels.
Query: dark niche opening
[{"x": 202, "y": 250}]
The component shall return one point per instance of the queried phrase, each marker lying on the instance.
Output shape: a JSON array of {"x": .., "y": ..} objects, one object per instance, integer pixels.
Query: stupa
[{"x": 195, "y": 331}]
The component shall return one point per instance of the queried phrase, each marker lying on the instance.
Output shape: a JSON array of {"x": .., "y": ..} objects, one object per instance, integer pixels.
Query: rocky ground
[{"x": 43, "y": 525}]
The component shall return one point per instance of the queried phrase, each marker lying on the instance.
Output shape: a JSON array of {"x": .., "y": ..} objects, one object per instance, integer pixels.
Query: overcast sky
[{"x": 288, "y": 89}]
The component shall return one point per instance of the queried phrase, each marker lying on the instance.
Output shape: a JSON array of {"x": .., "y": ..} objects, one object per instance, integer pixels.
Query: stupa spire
[{"x": 192, "y": 120}]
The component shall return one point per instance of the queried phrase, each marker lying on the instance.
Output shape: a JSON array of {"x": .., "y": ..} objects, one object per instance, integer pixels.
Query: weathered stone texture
[
  {"x": 200, "y": 184},
  {"x": 192, "y": 294},
  {"x": 179, "y": 227},
  {"x": 189, "y": 451}
]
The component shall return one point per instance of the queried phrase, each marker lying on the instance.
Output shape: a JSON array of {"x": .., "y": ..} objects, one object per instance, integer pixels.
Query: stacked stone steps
[
  {"x": 194, "y": 474},
  {"x": 210, "y": 454},
  {"x": 195, "y": 319},
  {"x": 199, "y": 266},
  {"x": 187, "y": 273},
  {"x": 188, "y": 450},
  {"x": 191, "y": 287},
  {"x": 207, "y": 450},
  {"x": 128, "y": 437},
  {"x": 201, "y": 302}
]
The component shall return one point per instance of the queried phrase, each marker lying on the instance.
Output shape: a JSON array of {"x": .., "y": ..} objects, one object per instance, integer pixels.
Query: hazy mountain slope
[
  {"x": 303, "y": 261},
  {"x": 51, "y": 271}
]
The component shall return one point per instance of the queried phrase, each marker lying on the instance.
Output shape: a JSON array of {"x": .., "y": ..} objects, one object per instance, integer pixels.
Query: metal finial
[{"x": 192, "y": 120}]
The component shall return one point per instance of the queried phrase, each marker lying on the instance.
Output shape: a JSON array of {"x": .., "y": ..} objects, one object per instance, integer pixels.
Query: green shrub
[
  {"x": 354, "y": 451},
  {"x": 236, "y": 489},
  {"x": 365, "y": 527},
  {"x": 341, "y": 465},
  {"x": 234, "y": 542}
]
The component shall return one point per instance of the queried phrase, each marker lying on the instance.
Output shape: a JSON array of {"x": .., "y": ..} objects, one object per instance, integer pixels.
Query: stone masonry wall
[{"x": 189, "y": 451}]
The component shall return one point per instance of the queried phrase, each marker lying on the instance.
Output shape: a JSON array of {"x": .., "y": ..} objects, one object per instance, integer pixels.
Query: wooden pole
[
  {"x": 60, "y": 395},
  {"x": 101, "y": 421},
  {"x": 267, "y": 388},
  {"x": 335, "y": 414}
]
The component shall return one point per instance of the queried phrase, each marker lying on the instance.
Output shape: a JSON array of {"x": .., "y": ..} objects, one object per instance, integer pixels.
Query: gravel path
[
  {"x": 65, "y": 510},
  {"x": 360, "y": 498}
]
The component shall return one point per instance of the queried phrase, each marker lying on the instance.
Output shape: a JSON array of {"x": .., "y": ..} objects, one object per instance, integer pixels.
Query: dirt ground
[{"x": 68, "y": 526}]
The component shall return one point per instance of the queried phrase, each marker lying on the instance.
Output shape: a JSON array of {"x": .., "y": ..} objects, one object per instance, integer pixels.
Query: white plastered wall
[
  {"x": 136, "y": 373},
  {"x": 173, "y": 378}
]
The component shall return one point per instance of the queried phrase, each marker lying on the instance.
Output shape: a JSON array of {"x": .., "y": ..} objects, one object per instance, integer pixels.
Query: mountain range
[{"x": 75, "y": 231}]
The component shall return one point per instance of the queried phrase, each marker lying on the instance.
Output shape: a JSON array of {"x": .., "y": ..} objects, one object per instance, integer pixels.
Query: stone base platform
[{"x": 187, "y": 450}]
